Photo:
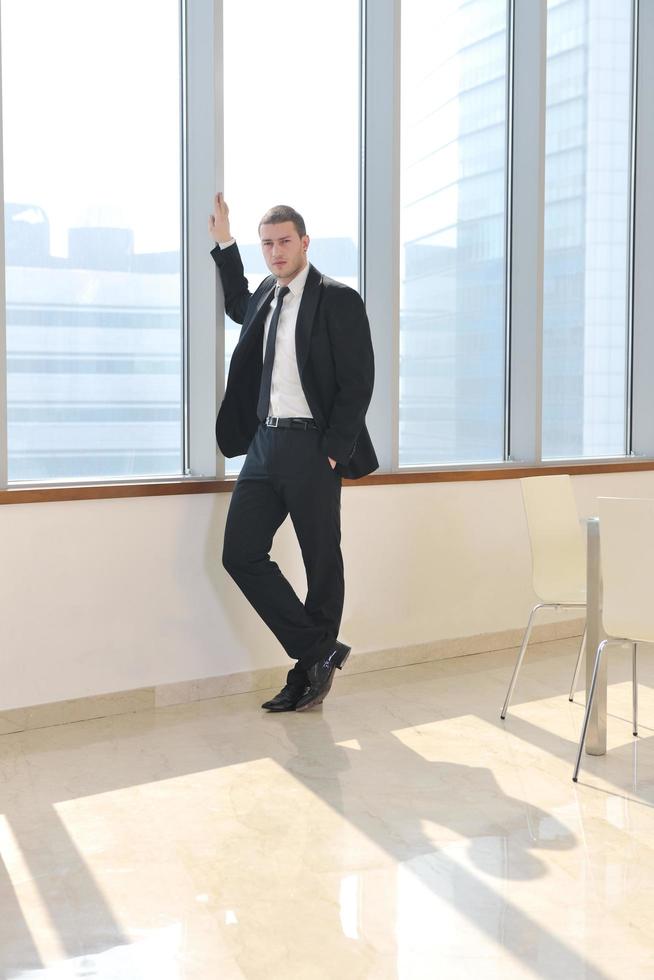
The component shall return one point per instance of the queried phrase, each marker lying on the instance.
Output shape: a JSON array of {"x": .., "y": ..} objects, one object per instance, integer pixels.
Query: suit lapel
[
  {"x": 267, "y": 288},
  {"x": 252, "y": 330},
  {"x": 306, "y": 315}
]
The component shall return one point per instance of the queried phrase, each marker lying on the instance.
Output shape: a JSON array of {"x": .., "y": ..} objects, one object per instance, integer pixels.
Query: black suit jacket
[{"x": 334, "y": 356}]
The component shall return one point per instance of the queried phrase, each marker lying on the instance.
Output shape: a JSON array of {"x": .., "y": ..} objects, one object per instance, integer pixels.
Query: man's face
[{"x": 284, "y": 250}]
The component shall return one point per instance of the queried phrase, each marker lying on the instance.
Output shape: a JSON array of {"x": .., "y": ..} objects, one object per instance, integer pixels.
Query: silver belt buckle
[{"x": 272, "y": 422}]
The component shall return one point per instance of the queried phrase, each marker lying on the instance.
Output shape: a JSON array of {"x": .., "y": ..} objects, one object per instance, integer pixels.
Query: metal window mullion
[
  {"x": 527, "y": 230},
  {"x": 204, "y": 176},
  {"x": 183, "y": 218},
  {"x": 508, "y": 222},
  {"x": 629, "y": 353},
  {"x": 642, "y": 418},
  {"x": 381, "y": 217},
  {"x": 218, "y": 320},
  {"x": 4, "y": 462},
  {"x": 363, "y": 95}
]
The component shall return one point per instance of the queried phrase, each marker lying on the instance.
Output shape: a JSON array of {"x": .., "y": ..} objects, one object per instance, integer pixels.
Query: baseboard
[{"x": 164, "y": 695}]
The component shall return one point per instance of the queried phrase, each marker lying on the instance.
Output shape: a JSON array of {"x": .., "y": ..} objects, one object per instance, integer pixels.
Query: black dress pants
[{"x": 286, "y": 472}]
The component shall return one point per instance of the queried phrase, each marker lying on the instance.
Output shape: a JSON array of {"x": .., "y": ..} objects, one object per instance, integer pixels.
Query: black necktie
[{"x": 263, "y": 405}]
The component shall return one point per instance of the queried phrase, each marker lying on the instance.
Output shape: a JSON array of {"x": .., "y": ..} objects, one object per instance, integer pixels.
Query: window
[
  {"x": 111, "y": 334},
  {"x": 587, "y": 191},
  {"x": 91, "y": 113},
  {"x": 452, "y": 231},
  {"x": 292, "y": 130}
]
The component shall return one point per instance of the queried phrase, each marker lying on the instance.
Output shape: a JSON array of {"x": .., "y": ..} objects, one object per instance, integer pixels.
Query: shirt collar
[{"x": 297, "y": 284}]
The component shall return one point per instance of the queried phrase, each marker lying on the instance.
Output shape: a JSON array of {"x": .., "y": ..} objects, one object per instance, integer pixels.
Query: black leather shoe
[
  {"x": 286, "y": 699},
  {"x": 321, "y": 676}
]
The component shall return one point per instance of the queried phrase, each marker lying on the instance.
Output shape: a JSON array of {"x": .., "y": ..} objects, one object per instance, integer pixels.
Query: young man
[{"x": 300, "y": 381}]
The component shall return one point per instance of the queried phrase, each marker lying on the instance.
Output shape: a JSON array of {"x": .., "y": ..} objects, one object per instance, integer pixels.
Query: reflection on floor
[{"x": 401, "y": 831}]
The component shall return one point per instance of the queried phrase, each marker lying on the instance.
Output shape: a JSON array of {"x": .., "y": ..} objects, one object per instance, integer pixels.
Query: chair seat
[{"x": 640, "y": 631}]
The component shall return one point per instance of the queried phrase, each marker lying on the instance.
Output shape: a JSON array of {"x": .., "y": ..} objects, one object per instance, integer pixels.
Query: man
[{"x": 300, "y": 381}]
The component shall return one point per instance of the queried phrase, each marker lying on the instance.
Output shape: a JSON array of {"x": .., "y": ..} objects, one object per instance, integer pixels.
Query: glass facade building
[
  {"x": 587, "y": 189},
  {"x": 453, "y": 229},
  {"x": 92, "y": 146},
  {"x": 93, "y": 257},
  {"x": 453, "y": 219}
]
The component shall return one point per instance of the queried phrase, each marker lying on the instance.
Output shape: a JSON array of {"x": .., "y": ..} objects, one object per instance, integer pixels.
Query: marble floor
[{"x": 400, "y": 831}]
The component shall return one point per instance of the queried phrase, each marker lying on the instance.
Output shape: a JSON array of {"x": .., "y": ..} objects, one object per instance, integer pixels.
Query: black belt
[{"x": 276, "y": 423}]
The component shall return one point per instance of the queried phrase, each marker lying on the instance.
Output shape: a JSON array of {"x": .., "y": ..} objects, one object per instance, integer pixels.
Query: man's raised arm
[{"x": 228, "y": 260}]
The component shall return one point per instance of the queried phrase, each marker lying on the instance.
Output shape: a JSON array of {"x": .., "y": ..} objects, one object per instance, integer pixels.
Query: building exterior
[{"x": 453, "y": 304}]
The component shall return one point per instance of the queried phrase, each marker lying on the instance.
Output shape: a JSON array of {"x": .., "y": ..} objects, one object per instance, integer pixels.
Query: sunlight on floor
[{"x": 402, "y": 832}]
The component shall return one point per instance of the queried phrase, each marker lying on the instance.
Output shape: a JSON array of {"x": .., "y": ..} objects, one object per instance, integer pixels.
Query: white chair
[
  {"x": 558, "y": 557},
  {"x": 627, "y": 540}
]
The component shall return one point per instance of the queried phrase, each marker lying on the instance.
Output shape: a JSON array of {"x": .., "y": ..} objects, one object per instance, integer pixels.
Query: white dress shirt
[
  {"x": 286, "y": 396},
  {"x": 287, "y": 399}
]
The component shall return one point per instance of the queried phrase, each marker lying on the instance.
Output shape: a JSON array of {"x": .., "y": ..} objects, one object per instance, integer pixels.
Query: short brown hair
[{"x": 282, "y": 212}]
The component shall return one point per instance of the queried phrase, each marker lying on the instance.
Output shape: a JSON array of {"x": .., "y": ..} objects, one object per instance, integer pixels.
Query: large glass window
[
  {"x": 92, "y": 141},
  {"x": 452, "y": 239},
  {"x": 91, "y": 114},
  {"x": 292, "y": 130},
  {"x": 586, "y": 227}
]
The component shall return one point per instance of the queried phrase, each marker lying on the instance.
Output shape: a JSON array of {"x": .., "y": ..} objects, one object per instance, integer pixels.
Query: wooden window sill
[{"x": 186, "y": 485}]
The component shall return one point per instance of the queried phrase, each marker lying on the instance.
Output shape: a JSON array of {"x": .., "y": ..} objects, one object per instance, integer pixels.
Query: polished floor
[{"x": 400, "y": 831}]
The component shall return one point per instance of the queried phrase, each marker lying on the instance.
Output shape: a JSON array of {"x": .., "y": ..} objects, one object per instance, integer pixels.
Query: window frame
[
  {"x": 202, "y": 304},
  {"x": 50, "y": 485}
]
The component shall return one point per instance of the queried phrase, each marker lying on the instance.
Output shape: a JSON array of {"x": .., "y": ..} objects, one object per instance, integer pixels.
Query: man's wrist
[{"x": 227, "y": 243}]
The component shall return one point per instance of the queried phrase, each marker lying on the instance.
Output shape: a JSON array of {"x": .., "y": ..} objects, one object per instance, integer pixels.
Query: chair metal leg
[
  {"x": 591, "y": 695},
  {"x": 578, "y": 665},
  {"x": 635, "y": 689},
  {"x": 521, "y": 654}
]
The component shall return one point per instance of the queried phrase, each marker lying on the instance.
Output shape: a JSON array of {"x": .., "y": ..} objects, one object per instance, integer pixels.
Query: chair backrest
[
  {"x": 626, "y": 550},
  {"x": 558, "y": 550}
]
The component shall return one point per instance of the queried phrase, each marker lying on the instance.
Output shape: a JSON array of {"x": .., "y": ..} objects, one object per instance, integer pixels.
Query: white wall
[{"x": 110, "y": 595}]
